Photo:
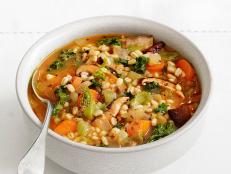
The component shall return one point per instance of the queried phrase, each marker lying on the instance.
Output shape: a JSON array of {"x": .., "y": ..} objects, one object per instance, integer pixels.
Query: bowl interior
[{"x": 111, "y": 24}]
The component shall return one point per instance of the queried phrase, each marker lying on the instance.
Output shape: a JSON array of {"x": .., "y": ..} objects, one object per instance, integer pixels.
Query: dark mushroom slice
[
  {"x": 181, "y": 114},
  {"x": 156, "y": 47}
]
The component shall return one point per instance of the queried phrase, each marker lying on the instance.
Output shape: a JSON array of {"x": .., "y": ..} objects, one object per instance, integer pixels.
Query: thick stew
[{"x": 116, "y": 90}]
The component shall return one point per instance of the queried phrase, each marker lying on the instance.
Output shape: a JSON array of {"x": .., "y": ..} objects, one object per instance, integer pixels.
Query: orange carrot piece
[
  {"x": 138, "y": 127},
  {"x": 66, "y": 126},
  {"x": 187, "y": 68},
  {"x": 94, "y": 94},
  {"x": 53, "y": 124},
  {"x": 155, "y": 68},
  {"x": 76, "y": 81},
  {"x": 111, "y": 78}
]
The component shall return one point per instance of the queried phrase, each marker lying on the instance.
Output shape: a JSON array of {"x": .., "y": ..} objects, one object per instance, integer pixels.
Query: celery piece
[
  {"x": 109, "y": 96},
  {"x": 141, "y": 98}
]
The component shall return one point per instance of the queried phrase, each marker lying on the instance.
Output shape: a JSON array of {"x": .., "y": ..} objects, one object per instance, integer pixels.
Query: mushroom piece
[
  {"x": 116, "y": 105},
  {"x": 181, "y": 114},
  {"x": 156, "y": 47},
  {"x": 164, "y": 84},
  {"x": 140, "y": 42},
  {"x": 87, "y": 68}
]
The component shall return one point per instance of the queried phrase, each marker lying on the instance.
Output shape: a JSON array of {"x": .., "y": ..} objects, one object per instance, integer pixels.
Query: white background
[{"x": 206, "y": 23}]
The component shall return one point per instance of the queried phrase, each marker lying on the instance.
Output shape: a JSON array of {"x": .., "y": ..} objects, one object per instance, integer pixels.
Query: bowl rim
[{"x": 186, "y": 127}]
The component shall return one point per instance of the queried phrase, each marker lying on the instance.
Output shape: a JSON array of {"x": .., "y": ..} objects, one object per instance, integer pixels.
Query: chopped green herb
[
  {"x": 162, "y": 108},
  {"x": 140, "y": 65},
  {"x": 161, "y": 131},
  {"x": 60, "y": 89},
  {"x": 67, "y": 54},
  {"x": 55, "y": 65},
  {"x": 95, "y": 84},
  {"x": 62, "y": 95},
  {"x": 151, "y": 87},
  {"x": 109, "y": 41},
  {"x": 122, "y": 61},
  {"x": 64, "y": 55},
  {"x": 119, "y": 125},
  {"x": 129, "y": 94},
  {"x": 58, "y": 107}
]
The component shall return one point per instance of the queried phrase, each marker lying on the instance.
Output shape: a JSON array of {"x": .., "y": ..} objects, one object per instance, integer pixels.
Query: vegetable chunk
[
  {"x": 161, "y": 131},
  {"x": 139, "y": 128},
  {"x": 180, "y": 115},
  {"x": 66, "y": 126},
  {"x": 138, "y": 43},
  {"x": 187, "y": 68}
]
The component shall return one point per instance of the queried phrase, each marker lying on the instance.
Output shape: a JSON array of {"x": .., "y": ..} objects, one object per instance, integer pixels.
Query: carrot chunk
[
  {"x": 66, "y": 126},
  {"x": 76, "y": 81},
  {"x": 138, "y": 127},
  {"x": 53, "y": 124},
  {"x": 111, "y": 78},
  {"x": 187, "y": 68},
  {"x": 155, "y": 68},
  {"x": 94, "y": 94}
]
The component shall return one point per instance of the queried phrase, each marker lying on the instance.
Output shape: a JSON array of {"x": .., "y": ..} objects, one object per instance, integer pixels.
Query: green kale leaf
[
  {"x": 58, "y": 107},
  {"x": 122, "y": 61},
  {"x": 151, "y": 87},
  {"x": 162, "y": 108},
  {"x": 140, "y": 65},
  {"x": 57, "y": 64},
  {"x": 67, "y": 54},
  {"x": 62, "y": 95},
  {"x": 64, "y": 55},
  {"x": 95, "y": 84},
  {"x": 161, "y": 131},
  {"x": 109, "y": 41}
]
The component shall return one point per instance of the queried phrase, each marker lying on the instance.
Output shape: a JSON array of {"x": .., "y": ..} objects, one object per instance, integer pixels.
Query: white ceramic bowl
[{"x": 146, "y": 158}]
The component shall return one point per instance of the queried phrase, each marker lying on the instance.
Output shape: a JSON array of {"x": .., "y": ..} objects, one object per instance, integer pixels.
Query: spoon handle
[{"x": 34, "y": 160}]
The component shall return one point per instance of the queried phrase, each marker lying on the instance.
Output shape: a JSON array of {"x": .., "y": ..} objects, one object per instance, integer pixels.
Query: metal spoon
[{"x": 34, "y": 160}]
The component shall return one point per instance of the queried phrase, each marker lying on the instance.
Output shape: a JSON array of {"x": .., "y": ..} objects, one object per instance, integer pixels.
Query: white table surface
[{"x": 206, "y": 23}]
